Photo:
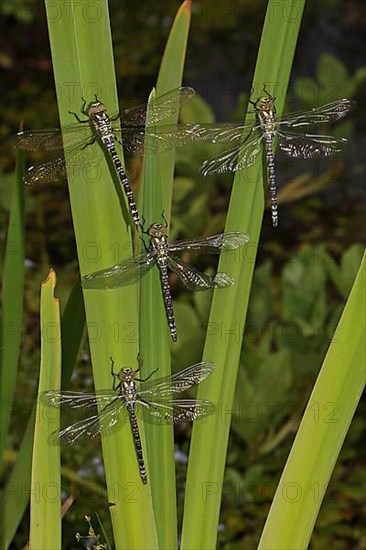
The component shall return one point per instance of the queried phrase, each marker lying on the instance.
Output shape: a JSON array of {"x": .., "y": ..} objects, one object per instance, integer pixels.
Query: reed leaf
[
  {"x": 81, "y": 48},
  {"x": 11, "y": 333},
  {"x": 15, "y": 495},
  {"x": 45, "y": 499},
  {"x": 12, "y": 301},
  {"x": 228, "y": 310},
  {"x": 156, "y": 195}
]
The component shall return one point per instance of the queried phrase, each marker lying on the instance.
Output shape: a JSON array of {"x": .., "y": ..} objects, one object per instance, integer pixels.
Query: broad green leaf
[{"x": 330, "y": 69}]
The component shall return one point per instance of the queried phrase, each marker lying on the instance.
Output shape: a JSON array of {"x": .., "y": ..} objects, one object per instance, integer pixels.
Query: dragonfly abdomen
[
  {"x": 268, "y": 139},
  {"x": 125, "y": 183},
  {"x": 162, "y": 263},
  {"x": 137, "y": 442}
]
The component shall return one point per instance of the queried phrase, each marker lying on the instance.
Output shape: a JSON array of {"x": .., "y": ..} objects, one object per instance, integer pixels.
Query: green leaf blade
[
  {"x": 12, "y": 300},
  {"x": 156, "y": 196},
  {"x": 229, "y": 306},
  {"x": 323, "y": 429},
  {"x": 82, "y": 54},
  {"x": 45, "y": 500}
]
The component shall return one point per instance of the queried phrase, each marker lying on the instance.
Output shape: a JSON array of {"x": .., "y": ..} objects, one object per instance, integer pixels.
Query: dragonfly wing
[
  {"x": 158, "y": 139},
  {"x": 120, "y": 274},
  {"x": 178, "y": 382},
  {"x": 159, "y": 108},
  {"x": 38, "y": 140},
  {"x": 78, "y": 431},
  {"x": 223, "y": 133},
  {"x": 234, "y": 159},
  {"x": 177, "y": 410},
  {"x": 309, "y": 146},
  {"x": 195, "y": 279},
  {"x": 331, "y": 112},
  {"x": 76, "y": 400},
  {"x": 54, "y": 169},
  {"x": 212, "y": 245},
  {"x": 52, "y": 139},
  {"x": 111, "y": 418}
]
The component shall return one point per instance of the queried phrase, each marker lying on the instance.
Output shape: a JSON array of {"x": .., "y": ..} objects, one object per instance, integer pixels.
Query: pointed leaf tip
[
  {"x": 51, "y": 278},
  {"x": 187, "y": 5}
]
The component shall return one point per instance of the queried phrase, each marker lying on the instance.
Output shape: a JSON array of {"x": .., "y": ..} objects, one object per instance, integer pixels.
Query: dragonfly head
[
  {"x": 96, "y": 107},
  {"x": 126, "y": 375},
  {"x": 264, "y": 103},
  {"x": 157, "y": 230}
]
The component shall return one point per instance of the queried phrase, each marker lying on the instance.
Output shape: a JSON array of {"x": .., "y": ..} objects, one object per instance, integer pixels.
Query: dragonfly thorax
[
  {"x": 127, "y": 375},
  {"x": 265, "y": 103},
  {"x": 96, "y": 108},
  {"x": 157, "y": 230},
  {"x": 266, "y": 113}
]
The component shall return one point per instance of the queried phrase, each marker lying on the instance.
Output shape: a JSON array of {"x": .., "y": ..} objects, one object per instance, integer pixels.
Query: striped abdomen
[
  {"x": 125, "y": 183},
  {"x": 162, "y": 263},
  {"x": 137, "y": 442},
  {"x": 268, "y": 139}
]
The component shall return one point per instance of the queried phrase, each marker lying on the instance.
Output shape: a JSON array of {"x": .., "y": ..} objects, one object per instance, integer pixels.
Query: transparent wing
[
  {"x": 54, "y": 169},
  {"x": 160, "y": 108},
  {"x": 76, "y": 400},
  {"x": 110, "y": 419},
  {"x": 331, "y": 112},
  {"x": 195, "y": 279},
  {"x": 177, "y": 410},
  {"x": 178, "y": 382},
  {"x": 309, "y": 146},
  {"x": 157, "y": 139},
  {"x": 76, "y": 134},
  {"x": 212, "y": 245},
  {"x": 226, "y": 132},
  {"x": 120, "y": 274},
  {"x": 50, "y": 140},
  {"x": 234, "y": 159}
]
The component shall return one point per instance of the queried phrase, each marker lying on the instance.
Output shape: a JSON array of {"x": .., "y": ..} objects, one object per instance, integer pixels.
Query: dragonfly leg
[
  {"x": 83, "y": 107},
  {"x": 115, "y": 376},
  {"x": 109, "y": 404},
  {"x": 142, "y": 239},
  {"x": 251, "y": 93},
  {"x": 91, "y": 142},
  {"x": 144, "y": 231},
  {"x": 78, "y": 118},
  {"x": 164, "y": 218},
  {"x": 118, "y": 140},
  {"x": 139, "y": 361},
  {"x": 142, "y": 225},
  {"x": 83, "y": 110},
  {"x": 267, "y": 92},
  {"x": 147, "y": 378}
]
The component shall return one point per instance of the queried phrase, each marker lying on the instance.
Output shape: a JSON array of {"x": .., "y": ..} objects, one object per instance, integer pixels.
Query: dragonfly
[
  {"x": 268, "y": 128},
  {"x": 127, "y": 128},
  {"x": 161, "y": 253},
  {"x": 120, "y": 404}
]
